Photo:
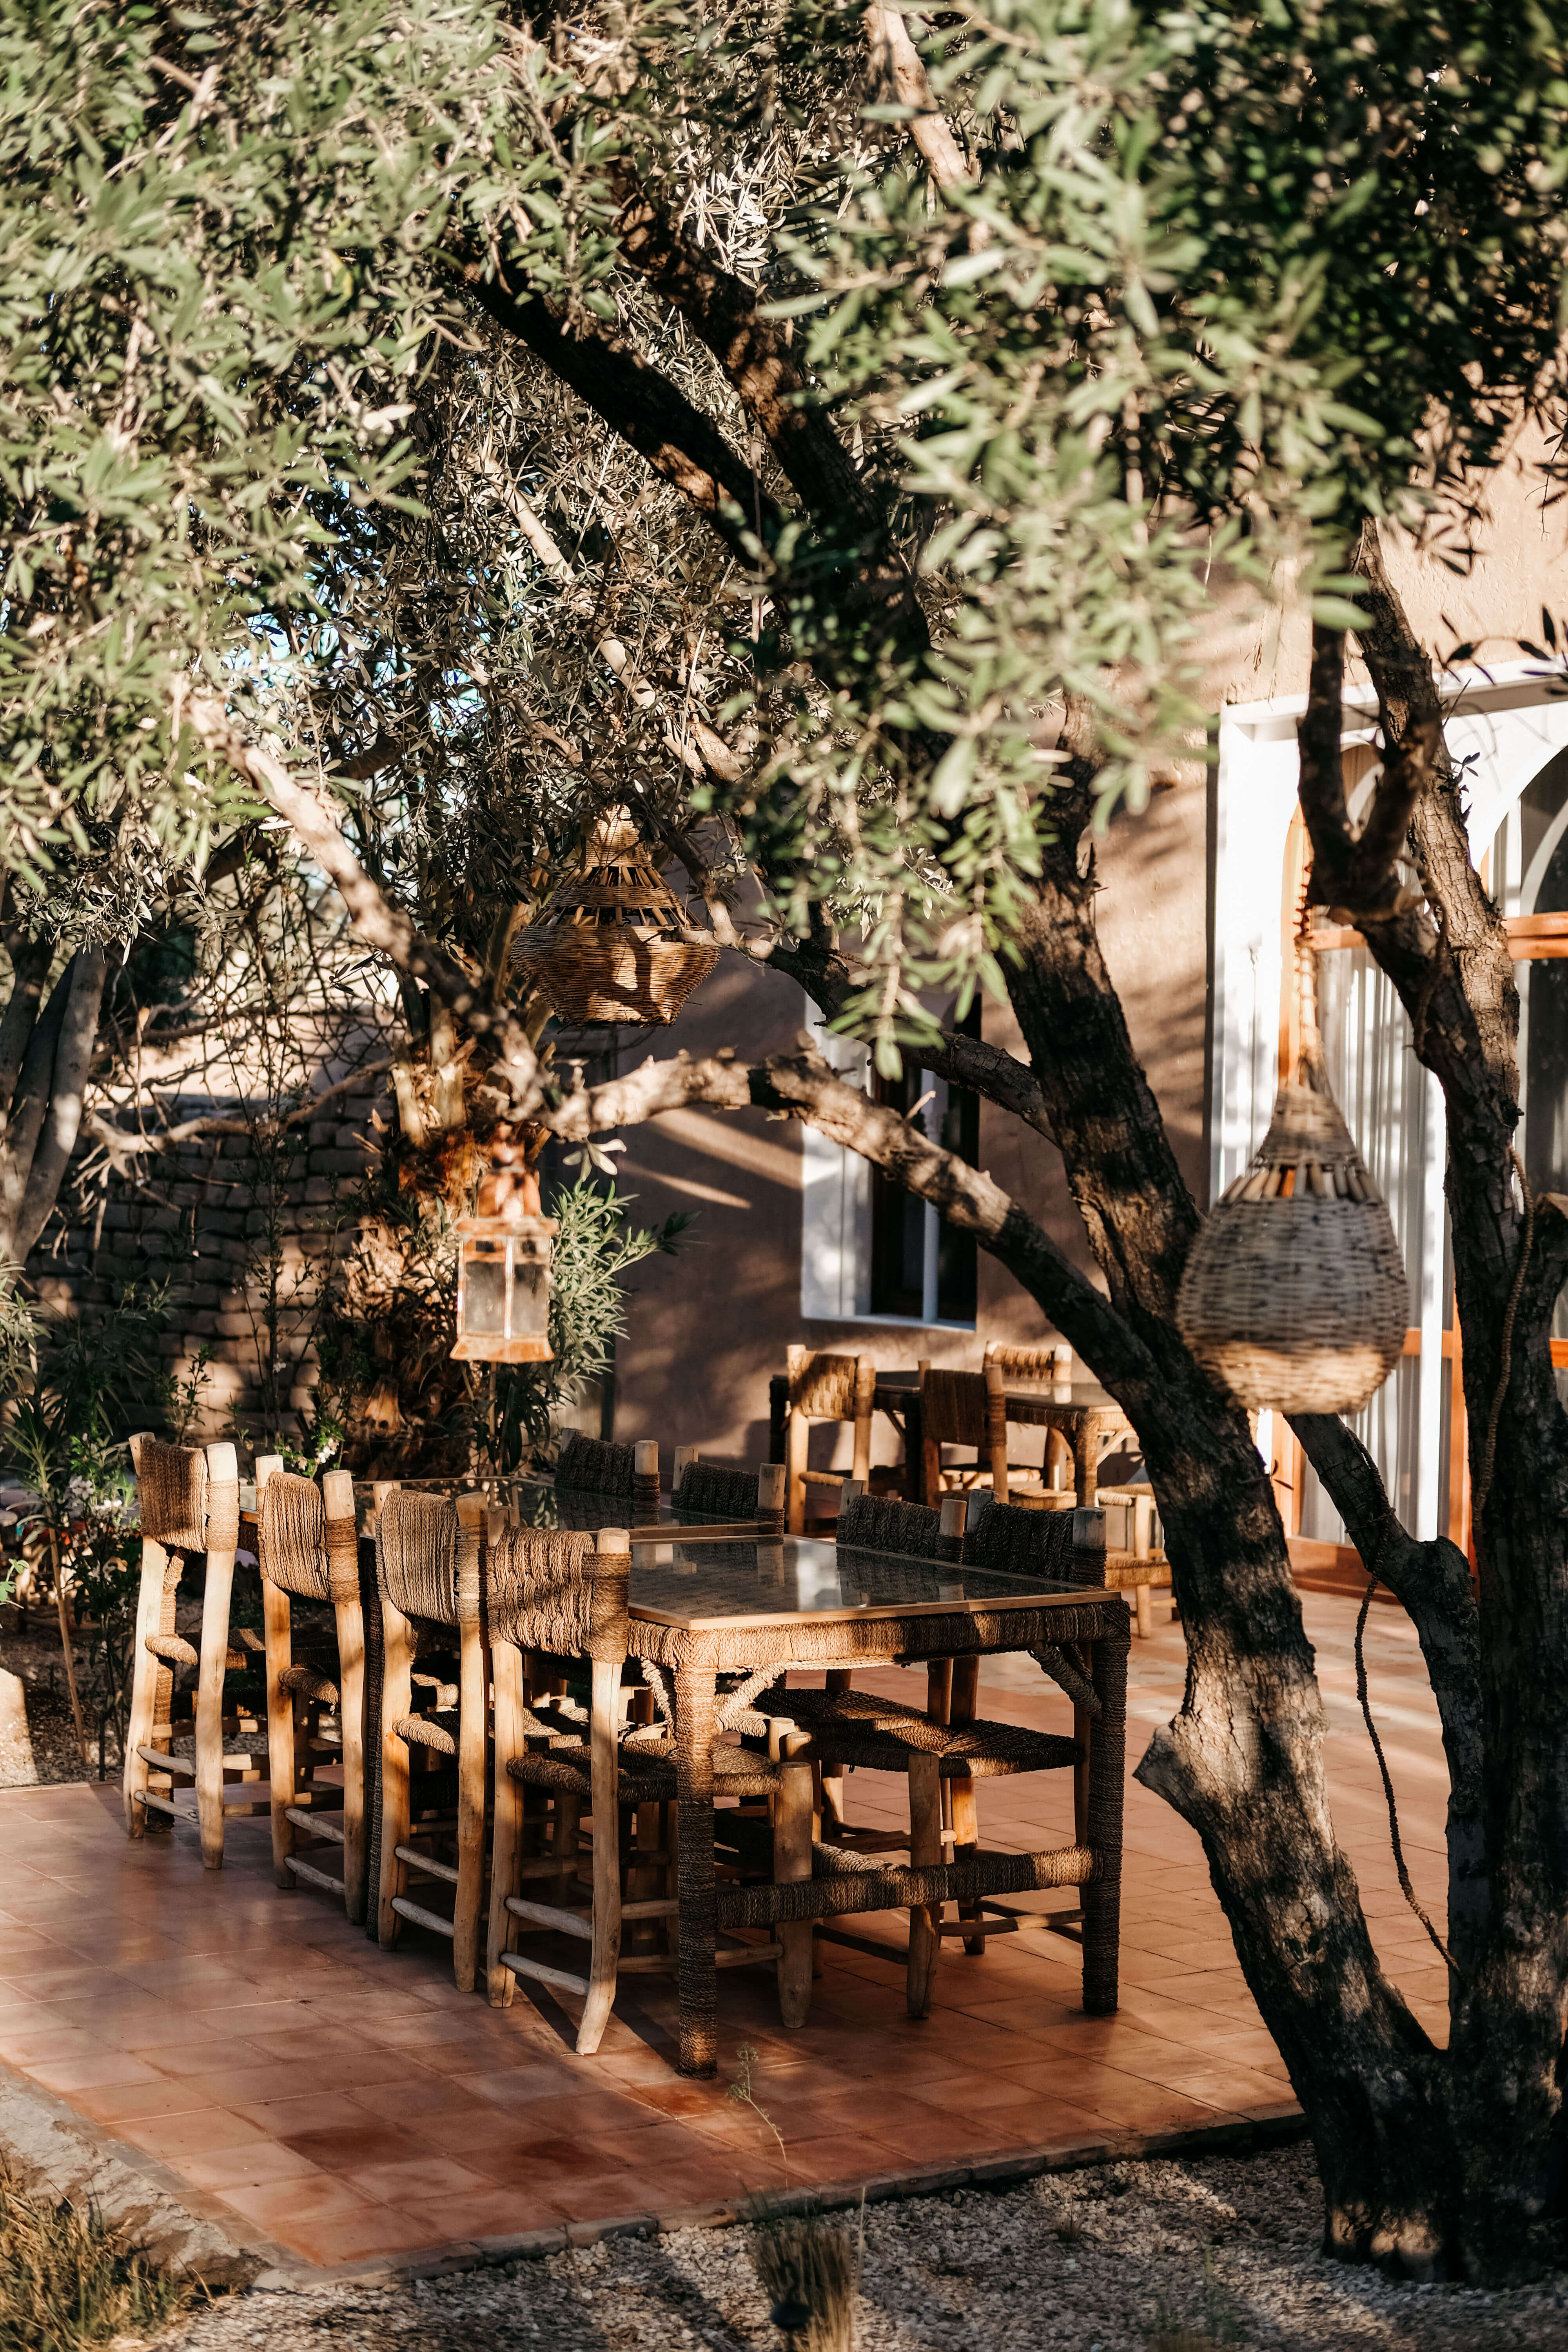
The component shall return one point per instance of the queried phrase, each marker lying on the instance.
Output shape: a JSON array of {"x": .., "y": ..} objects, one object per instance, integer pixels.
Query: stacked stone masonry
[{"x": 216, "y": 1217}]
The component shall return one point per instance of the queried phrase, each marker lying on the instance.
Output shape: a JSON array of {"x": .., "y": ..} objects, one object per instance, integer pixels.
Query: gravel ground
[{"x": 1160, "y": 2257}]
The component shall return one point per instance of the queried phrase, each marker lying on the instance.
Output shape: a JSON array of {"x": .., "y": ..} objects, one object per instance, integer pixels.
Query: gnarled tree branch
[{"x": 373, "y": 917}]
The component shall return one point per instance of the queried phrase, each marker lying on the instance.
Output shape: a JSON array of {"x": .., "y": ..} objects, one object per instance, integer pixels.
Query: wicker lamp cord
[{"x": 1311, "y": 1070}]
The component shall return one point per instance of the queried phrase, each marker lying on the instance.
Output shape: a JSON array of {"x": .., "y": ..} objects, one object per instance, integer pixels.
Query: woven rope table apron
[{"x": 701, "y": 1609}]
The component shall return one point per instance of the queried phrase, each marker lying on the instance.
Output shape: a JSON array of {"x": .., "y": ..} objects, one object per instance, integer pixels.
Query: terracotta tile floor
[{"x": 350, "y": 2104}]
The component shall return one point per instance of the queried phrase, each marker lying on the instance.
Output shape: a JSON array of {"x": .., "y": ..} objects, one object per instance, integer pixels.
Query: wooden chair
[
  {"x": 721, "y": 1490},
  {"x": 1006, "y": 1540},
  {"x": 824, "y": 1388},
  {"x": 964, "y": 1408},
  {"x": 188, "y": 1502},
  {"x": 943, "y": 1751},
  {"x": 427, "y": 1573},
  {"x": 308, "y": 1545},
  {"x": 1047, "y": 1369},
  {"x": 553, "y": 1596},
  {"x": 593, "y": 1465}
]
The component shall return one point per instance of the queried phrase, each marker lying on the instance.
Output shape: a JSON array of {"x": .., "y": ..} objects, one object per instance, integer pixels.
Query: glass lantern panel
[
  {"x": 484, "y": 1297},
  {"x": 530, "y": 1298}
]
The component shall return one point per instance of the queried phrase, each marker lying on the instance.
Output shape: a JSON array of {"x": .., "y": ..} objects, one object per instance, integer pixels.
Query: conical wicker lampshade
[
  {"x": 1295, "y": 1294},
  {"x": 614, "y": 943}
]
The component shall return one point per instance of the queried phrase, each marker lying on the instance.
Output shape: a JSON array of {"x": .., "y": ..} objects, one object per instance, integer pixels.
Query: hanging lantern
[
  {"x": 503, "y": 1267},
  {"x": 616, "y": 943},
  {"x": 1294, "y": 1294}
]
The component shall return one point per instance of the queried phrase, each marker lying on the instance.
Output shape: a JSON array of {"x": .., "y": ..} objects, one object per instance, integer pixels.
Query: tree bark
[
  {"x": 1504, "y": 1706},
  {"x": 48, "y": 1097}
]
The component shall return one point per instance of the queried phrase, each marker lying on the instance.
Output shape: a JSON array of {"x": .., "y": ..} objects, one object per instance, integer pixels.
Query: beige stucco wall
[{"x": 709, "y": 1328}]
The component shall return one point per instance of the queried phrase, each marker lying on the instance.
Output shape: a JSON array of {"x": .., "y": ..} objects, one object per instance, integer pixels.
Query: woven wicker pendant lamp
[
  {"x": 614, "y": 943},
  {"x": 1295, "y": 1295}
]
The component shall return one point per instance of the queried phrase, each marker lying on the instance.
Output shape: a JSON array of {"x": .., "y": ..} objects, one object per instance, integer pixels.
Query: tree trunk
[{"x": 45, "y": 1057}]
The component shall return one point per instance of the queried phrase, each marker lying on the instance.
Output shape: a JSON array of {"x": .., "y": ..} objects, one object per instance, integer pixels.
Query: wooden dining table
[
  {"x": 709, "y": 1598},
  {"x": 701, "y": 1607}
]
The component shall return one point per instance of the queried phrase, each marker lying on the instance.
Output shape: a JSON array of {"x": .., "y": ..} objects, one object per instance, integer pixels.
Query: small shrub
[
  {"x": 1219, "y": 2329},
  {"x": 806, "y": 2261},
  {"x": 67, "y": 2282}
]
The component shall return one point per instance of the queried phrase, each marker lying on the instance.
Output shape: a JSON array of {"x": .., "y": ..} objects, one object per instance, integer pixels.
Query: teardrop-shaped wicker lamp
[
  {"x": 614, "y": 943},
  {"x": 1295, "y": 1294}
]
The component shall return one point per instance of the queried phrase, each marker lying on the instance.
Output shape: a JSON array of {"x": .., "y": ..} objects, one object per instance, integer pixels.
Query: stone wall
[{"x": 223, "y": 1221}]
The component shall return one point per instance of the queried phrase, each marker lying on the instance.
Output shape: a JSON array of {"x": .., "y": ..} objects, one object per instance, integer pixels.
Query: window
[{"x": 870, "y": 1250}]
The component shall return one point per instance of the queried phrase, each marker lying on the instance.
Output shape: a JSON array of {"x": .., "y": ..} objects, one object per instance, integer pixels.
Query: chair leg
[
  {"x": 797, "y": 1442},
  {"x": 471, "y": 1727},
  {"x": 1145, "y": 1614},
  {"x": 280, "y": 1749},
  {"x": 351, "y": 1722},
  {"x": 925, "y": 1847},
  {"x": 792, "y": 1859},
  {"x": 209, "y": 1705},
  {"x": 144, "y": 1670},
  {"x": 966, "y": 1819},
  {"x": 506, "y": 1837},
  {"x": 605, "y": 1948},
  {"x": 396, "y": 1696},
  {"x": 837, "y": 1679}
]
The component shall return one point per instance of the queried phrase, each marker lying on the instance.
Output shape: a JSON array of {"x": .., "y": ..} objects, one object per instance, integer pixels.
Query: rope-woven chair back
[
  {"x": 881, "y": 1523},
  {"x": 549, "y": 1589},
  {"x": 825, "y": 1387},
  {"x": 1020, "y": 1542},
  {"x": 953, "y": 1408},
  {"x": 172, "y": 1492},
  {"x": 292, "y": 1546},
  {"x": 1037, "y": 1366},
  {"x": 592, "y": 1463},
  {"x": 722, "y": 1492},
  {"x": 416, "y": 1555}
]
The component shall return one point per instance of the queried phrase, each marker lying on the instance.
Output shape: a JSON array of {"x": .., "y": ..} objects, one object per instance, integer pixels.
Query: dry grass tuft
[
  {"x": 67, "y": 2282},
  {"x": 813, "y": 2264}
]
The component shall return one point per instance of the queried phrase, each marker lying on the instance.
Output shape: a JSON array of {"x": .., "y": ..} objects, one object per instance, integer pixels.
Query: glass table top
[{"x": 707, "y": 1583}]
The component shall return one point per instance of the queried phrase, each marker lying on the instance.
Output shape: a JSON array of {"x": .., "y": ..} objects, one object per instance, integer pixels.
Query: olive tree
[{"x": 956, "y": 360}]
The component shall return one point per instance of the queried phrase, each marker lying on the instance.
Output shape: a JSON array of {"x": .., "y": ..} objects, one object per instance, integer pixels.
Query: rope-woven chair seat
[
  {"x": 172, "y": 1494},
  {"x": 720, "y": 1492},
  {"x": 307, "y": 1681},
  {"x": 424, "y": 1731},
  {"x": 173, "y": 1650},
  {"x": 981, "y": 1751},
  {"x": 595, "y": 1464},
  {"x": 882, "y": 1522},
  {"x": 645, "y": 1775},
  {"x": 1125, "y": 1570},
  {"x": 442, "y": 1694},
  {"x": 858, "y": 1728},
  {"x": 849, "y": 1883}
]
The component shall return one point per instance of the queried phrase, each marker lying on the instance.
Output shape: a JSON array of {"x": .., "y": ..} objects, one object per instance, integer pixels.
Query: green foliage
[
  {"x": 216, "y": 232},
  {"x": 89, "y": 1381},
  {"x": 593, "y": 1253},
  {"x": 1218, "y": 285}
]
